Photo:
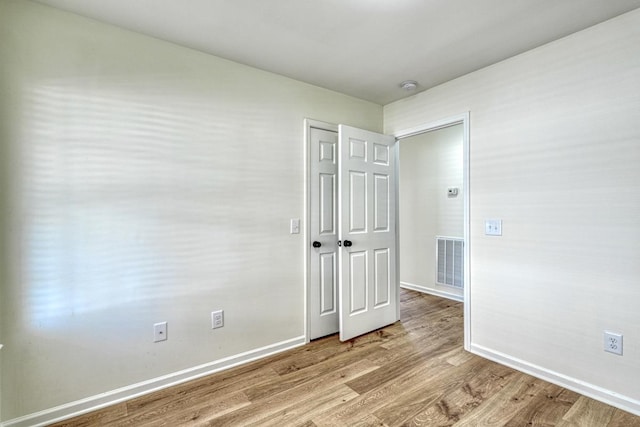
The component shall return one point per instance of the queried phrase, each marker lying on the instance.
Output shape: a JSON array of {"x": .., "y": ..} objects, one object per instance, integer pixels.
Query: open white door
[{"x": 368, "y": 297}]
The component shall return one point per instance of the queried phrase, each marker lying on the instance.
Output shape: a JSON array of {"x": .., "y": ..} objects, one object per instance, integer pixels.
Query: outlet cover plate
[
  {"x": 217, "y": 319},
  {"x": 613, "y": 342}
]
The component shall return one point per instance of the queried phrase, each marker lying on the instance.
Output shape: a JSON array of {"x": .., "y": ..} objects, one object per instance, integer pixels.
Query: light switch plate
[
  {"x": 493, "y": 227},
  {"x": 295, "y": 226}
]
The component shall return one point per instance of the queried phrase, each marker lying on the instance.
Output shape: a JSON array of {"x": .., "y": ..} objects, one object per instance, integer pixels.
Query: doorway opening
[
  {"x": 445, "y": 143},
  {"x": 431, "y": 209},
  {"x": 351, "y": 231}
]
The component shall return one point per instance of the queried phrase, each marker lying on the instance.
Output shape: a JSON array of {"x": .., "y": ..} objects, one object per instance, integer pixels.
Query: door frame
[
  {"x": 317, "y": 124},
  {"x": 464, "y": 119},
  {"x": 466, "y": 192}
]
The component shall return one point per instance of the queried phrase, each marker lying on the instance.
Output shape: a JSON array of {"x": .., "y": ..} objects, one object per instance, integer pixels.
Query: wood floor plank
[
  {"x": 430, "y": 341},
  {"x": 587, "y": 412},
  {"x": 303, "y": 412},
  {"x": 191, "y": 393},
  {"x": 309, "y": 359},
  {"x": 267, "y": 406},
  {"x": 102, "y": 417},
  {"x": 460, "y": 358},
  {"x": 505, "y": 403},
  {"x": 193, "y": 415},
  {"x": 623, "y": 419},
  {"x": 380, "y": 395},
  {"x": 389, "y": 372},
  {"x": 461, "y": 390},
  {"x": 406, "y": 407},
  {"x": 292, "y": 379},
  {"x": 546, "y": 409},
  {"x": 400, "y": 363},
  {"x": 449, "y": 326},
  {"x": 328, "y": 348},
  {"x": 369, "y": 421}
]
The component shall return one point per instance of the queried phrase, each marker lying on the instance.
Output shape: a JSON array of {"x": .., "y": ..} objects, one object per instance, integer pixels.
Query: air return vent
[{"x": 450, "y": 261}]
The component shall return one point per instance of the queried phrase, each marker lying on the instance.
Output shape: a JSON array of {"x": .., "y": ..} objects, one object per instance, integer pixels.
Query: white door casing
[
  {"x": 368, "y": 287},
  {"x": 323, "y": 209}
]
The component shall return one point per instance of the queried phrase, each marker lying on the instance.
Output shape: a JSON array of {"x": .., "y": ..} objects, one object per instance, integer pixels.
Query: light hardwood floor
[{"x": 413, "y": 373}]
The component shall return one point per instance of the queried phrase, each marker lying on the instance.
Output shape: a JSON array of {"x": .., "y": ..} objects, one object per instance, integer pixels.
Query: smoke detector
[{"x": 409, "y": 85}]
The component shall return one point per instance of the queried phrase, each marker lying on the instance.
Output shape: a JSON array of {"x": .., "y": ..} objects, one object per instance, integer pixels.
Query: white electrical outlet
[
  {"x": 217, "y": 319},
  {"x": 159, "y": 331},
  {"x": 613, "y": 342}
]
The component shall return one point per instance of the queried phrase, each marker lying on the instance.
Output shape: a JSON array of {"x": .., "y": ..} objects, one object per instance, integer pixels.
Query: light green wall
[
  {"x": 147, "y": 182},
  {"x": 554, "y": 153}
]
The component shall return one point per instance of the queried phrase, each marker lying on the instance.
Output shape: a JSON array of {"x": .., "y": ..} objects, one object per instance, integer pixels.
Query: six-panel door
[
  {"x": 367, "y": 218},
  {"x": 323, "y": 298}
]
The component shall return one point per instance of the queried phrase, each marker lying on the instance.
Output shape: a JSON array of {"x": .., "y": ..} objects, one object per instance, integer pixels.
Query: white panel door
[
  {"x": 323, "y": 290},
  {"x": 368, "y": 297}
]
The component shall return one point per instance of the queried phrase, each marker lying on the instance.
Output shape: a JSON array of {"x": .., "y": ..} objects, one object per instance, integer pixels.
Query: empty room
[{"x": 341, "y": 212}]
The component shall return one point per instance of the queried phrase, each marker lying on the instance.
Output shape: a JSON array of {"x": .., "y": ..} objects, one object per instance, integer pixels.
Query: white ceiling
[{"x": 363, "y": 48}]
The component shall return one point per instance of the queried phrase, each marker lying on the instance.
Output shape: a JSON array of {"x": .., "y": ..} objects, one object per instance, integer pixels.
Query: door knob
[
  {"x": 347, "y": 243},
  {"x": 316, "y": 244}
]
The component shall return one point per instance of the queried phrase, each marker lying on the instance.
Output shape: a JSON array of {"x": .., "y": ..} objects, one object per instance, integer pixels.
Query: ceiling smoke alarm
[{"x": 409, "y": 85}]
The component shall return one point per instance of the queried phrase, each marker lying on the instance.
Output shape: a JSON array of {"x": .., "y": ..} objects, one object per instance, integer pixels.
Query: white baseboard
[
  {"x": 598, "y": 393},
  {"x": 103, "y": 400},
  {"x": 431, "y": 291}
]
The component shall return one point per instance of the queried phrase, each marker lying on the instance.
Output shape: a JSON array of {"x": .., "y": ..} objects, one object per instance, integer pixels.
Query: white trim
[
  {"x": 464, "y": 119},
  {"x": 317, "y": 124},
  {"x": 428, "y": 127},
  {"x": 103, "y": 400},
  {"x": 607, "y": 396},
  {"x": 396, "y": 153},
  {"x": 431, "y": 291}
]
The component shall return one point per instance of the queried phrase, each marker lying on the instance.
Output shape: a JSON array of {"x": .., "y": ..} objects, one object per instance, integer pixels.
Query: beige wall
[
  {"x": 430, "y": 164},
  {"x": 555, "y": 154},
  {"x": 146, "y": 182}
]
